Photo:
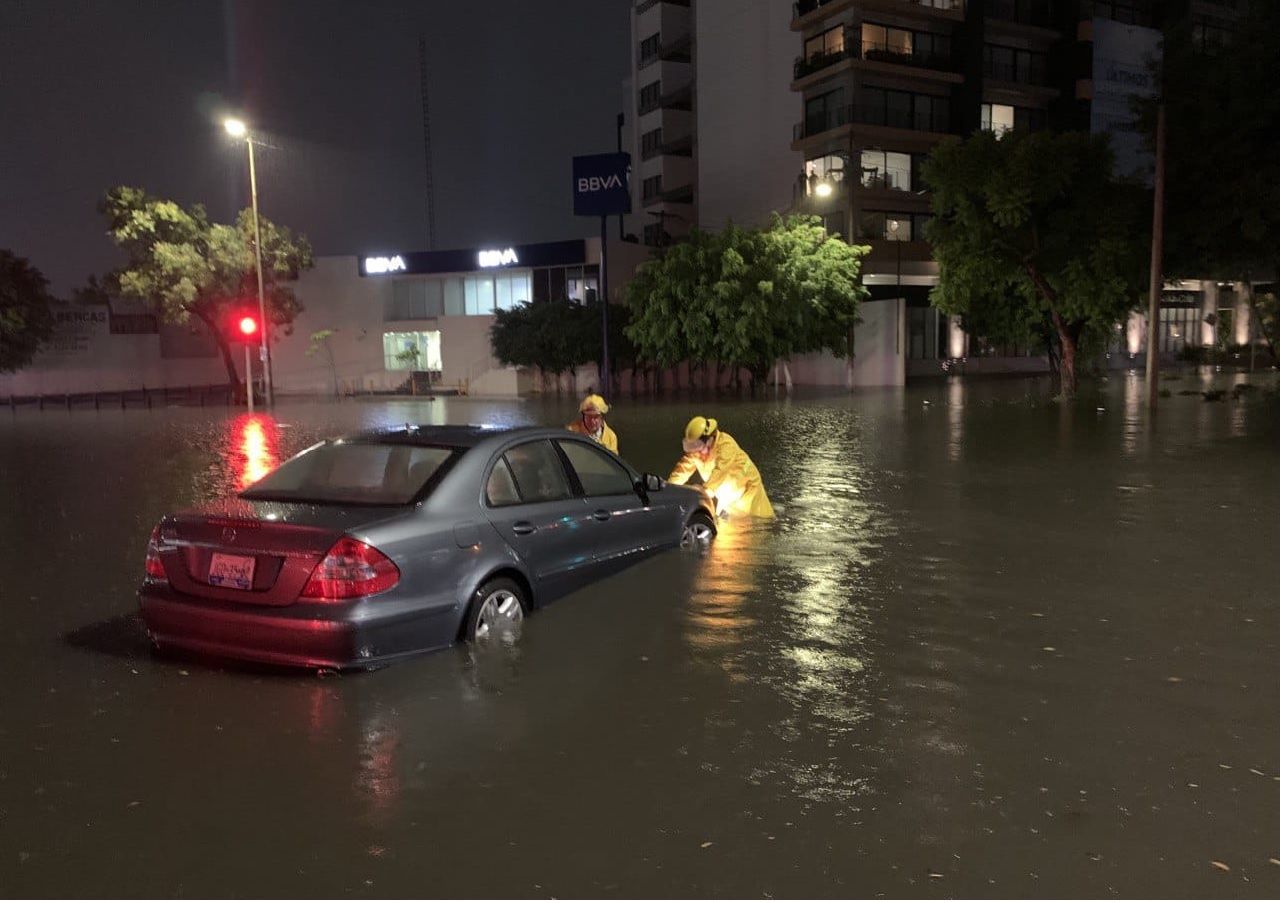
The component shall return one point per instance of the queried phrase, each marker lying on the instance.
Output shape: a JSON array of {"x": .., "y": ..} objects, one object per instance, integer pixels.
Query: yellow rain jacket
[
  {"x": 608, "y": 438},
  {"x": 730, "y": 475}
]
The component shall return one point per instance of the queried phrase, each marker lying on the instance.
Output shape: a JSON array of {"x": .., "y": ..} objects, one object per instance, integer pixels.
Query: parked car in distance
[{"x": 367, "y": 548}]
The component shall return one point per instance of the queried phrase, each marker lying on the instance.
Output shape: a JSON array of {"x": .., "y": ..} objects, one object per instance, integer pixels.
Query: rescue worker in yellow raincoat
[
  {"x": 591, "y": 423},
  {"x": 726, "y": 470}
]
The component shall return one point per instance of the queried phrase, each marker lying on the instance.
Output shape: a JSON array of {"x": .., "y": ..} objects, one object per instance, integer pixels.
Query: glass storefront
[{"x": 411, "y": 350}]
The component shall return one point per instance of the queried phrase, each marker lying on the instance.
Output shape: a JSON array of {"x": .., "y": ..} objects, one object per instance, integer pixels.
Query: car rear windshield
[{"x": 353, "y": 473}]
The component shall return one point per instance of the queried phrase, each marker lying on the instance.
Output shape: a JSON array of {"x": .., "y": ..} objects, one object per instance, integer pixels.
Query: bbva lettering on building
[
  {"x": 599, "y": 183},
  {"x": 384, "y": 264},
  {"x": 500, "y": 258}
]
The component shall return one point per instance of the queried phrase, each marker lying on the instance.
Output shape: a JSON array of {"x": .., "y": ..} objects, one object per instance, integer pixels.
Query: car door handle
[
  {"x": 601, "y": 514},
  {"x": 523, "y": 528}
]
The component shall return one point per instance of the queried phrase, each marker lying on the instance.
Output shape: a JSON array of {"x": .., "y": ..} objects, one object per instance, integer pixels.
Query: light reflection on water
[{"x": 953, "y": 648}]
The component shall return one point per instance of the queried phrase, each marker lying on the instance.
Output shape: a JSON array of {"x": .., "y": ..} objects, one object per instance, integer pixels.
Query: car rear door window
[
  {"x": 598, "y": 473},
  {"x": 539, "y": 476},
  {"x": 372, "y": 473},
  {"x": 501, "y": 488}
]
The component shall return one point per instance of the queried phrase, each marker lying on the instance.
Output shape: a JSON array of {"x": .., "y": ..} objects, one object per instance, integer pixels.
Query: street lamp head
[
  {"x": 235, "y": 127},
  {"x": 823, "y": 190}
]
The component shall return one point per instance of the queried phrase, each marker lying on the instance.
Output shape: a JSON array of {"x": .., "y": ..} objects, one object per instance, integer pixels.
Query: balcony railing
[
  {"x": 916, "y": 120},
  {"x": 678, "y": 51},
  {"x": 890, "y": 53},
  {"x": 804, "y": 7},
  {"x": 816, "y": 62},
  {"x": 1024, "y": 12},
  {"x": 823, "y": 122},
  {"x": 678, "y": 147}
]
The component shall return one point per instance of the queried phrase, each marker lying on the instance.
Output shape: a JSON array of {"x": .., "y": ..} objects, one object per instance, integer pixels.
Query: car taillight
[
  {"x": 155, "y": 567},
  {"x": 351, "y": 569}
]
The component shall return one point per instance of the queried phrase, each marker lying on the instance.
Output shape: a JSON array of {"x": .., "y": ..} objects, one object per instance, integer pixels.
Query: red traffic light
[{"x": 248, "y": 326}]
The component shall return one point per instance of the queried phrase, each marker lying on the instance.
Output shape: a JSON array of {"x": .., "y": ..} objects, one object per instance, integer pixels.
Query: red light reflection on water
[{"x": 253, "y": 448}]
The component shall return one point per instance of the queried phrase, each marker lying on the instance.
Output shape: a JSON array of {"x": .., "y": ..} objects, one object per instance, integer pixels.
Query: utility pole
[
  {"x": 428, "y": 172},
  {"x": 1157, "y": 268},
  {"x": 621, "y": 119}
]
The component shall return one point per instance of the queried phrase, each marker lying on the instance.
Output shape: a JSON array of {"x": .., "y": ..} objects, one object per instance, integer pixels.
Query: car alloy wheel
[
  {"x": 697, "y": 535},
  {"x": 500, "y": 612}
]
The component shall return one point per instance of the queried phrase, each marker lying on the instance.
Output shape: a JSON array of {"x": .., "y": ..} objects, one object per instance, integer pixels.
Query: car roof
[{"x": 463, "y": 437}]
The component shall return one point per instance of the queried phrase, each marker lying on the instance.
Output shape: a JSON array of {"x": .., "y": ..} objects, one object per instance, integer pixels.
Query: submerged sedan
[{"x": 364, "y": 549}]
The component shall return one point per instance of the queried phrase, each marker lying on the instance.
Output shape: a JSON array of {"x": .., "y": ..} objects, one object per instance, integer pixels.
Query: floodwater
[{"x": 992, "y": 646}]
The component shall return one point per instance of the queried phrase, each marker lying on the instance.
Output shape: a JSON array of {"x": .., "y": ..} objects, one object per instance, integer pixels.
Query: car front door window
[{"x": 597, "y": 472}]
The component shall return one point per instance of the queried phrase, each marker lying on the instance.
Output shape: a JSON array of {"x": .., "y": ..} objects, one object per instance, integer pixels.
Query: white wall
[
  {"x": 745, "y": 109},
  {"x": 879, "y": 352}
]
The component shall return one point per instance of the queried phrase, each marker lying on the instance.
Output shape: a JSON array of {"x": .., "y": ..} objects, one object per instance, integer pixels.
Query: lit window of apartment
[
  {"x": 1001, "y": 118},
  {"x": 899, "y": 45},
  {"x": 997, "y": 117},
  {"x": 651, "y": 187},
  {"x": 826, "y": 45},
  {"x": 886, "y": 169},
  {"x": 882, "y": 225},
  {"x": 650, "y": 143},
  {"x": 828, "y": 169},
  {"x": 650, "y": 96}
]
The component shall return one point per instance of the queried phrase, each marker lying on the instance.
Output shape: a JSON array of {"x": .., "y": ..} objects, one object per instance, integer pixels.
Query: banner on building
[{"x": 1123, "y": 57}]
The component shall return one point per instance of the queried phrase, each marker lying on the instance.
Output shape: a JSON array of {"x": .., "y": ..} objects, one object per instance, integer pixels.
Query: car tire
[
  {"x": 497, "y": 607},
  {"x": 699, "y": 532}
]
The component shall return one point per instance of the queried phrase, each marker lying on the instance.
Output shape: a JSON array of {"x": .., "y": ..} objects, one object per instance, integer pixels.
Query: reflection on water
[
  {"x": 258, "y": 442},
  {"x": 996, "y": 643}
]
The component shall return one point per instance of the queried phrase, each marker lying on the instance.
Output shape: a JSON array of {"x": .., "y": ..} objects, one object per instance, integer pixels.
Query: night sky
[{"x": 95, "y": 93}]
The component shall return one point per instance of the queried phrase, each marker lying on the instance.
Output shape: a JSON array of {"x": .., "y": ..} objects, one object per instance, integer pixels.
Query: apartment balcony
[
  {"x": 816, "y": 62},
  {"x": 679, "y": 50},
  {"x": 681, "y": 194},
  {"x": 806, "y": 13},
  {"x": 678, "y": 147},
  {"x": 1038, "y": 13},
  {"x": 645, "y": 5},
  {"x": 919, "y": 121},
  {"x": 679, "y": 99},
  {"x": 887, "y": 53}
]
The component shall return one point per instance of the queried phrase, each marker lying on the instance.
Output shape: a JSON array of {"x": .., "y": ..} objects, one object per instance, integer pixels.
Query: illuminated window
[
  {"x": 997, "y": 117},
  {"x": 411, "y": 350}
]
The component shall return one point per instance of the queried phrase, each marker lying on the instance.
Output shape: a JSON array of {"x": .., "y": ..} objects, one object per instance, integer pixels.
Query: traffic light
[{"x": 246, "y": 327}]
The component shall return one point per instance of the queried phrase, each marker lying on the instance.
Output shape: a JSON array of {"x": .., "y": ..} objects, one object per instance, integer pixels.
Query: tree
[
  {"x": 1222, "y": 174},
  {"x": 748, "y": 297},
  {"x": 184, "y": 265},
  {"x": 320, "y": 344},
  {"x": 1033, "y": 234},
  {"x": 25, "y": 318}
]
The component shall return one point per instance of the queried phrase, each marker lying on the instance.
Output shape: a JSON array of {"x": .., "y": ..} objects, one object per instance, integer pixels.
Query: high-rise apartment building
[{"x": 829, "y": 107}]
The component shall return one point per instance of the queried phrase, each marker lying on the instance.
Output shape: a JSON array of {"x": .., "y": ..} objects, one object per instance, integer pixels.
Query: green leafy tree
[
  {"x": 1035, "y": 238},
  {"x": 748, "y": 297},
  {"x": 320, "y": 345},
  {"x": 184, "y": 265},
  {"x": 1222, "y": 173},
  {"x": 25, "y": 318}
]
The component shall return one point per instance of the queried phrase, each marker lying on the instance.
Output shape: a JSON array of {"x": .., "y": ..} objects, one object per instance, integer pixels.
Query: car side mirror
[{"x": 652, "y": 482}]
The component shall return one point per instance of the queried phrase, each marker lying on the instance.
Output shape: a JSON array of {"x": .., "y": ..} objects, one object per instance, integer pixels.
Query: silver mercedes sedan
[{"x": 368, "y": 548}]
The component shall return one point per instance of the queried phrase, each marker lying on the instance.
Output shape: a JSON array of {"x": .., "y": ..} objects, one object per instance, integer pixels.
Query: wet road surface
[{"x": 991, "y": 647}]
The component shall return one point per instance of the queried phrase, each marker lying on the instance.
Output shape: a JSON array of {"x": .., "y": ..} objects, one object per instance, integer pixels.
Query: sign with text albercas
[{"x": 601, "y": 184}]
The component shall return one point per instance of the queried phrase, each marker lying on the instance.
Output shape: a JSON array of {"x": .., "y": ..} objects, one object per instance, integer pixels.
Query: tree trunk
[
  {"x": 1262, "y": 325},
  {"x": 1068, "y": 339},
  {"x": 786, "y": 376},
  {"x": 224, "y": 346}
]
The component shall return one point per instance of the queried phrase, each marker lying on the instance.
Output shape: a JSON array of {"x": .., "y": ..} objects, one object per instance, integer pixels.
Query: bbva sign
[
  {"x": 375, "y": 265},
  {"x": 502, "y": 258},
  {"x": 600, "y": 184}
]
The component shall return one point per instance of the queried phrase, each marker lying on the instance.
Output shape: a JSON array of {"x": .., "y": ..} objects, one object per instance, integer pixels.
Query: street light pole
[
  {"x": 237, "y": 129},
  {"x": 265, "y": 351}
]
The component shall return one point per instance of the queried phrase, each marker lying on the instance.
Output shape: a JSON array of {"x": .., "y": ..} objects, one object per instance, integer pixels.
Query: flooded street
[{"x": 991, "y": 646}]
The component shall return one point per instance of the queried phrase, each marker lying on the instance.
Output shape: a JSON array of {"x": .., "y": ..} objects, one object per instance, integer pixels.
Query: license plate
[{"x": 235, "y": 571}]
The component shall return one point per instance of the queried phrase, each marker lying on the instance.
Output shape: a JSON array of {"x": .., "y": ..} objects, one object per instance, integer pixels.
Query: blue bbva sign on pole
[{"x": 602, "y": 187}]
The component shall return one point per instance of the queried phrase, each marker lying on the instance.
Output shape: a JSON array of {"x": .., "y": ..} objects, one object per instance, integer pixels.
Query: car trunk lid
[{"x": 255, "y": 552}]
